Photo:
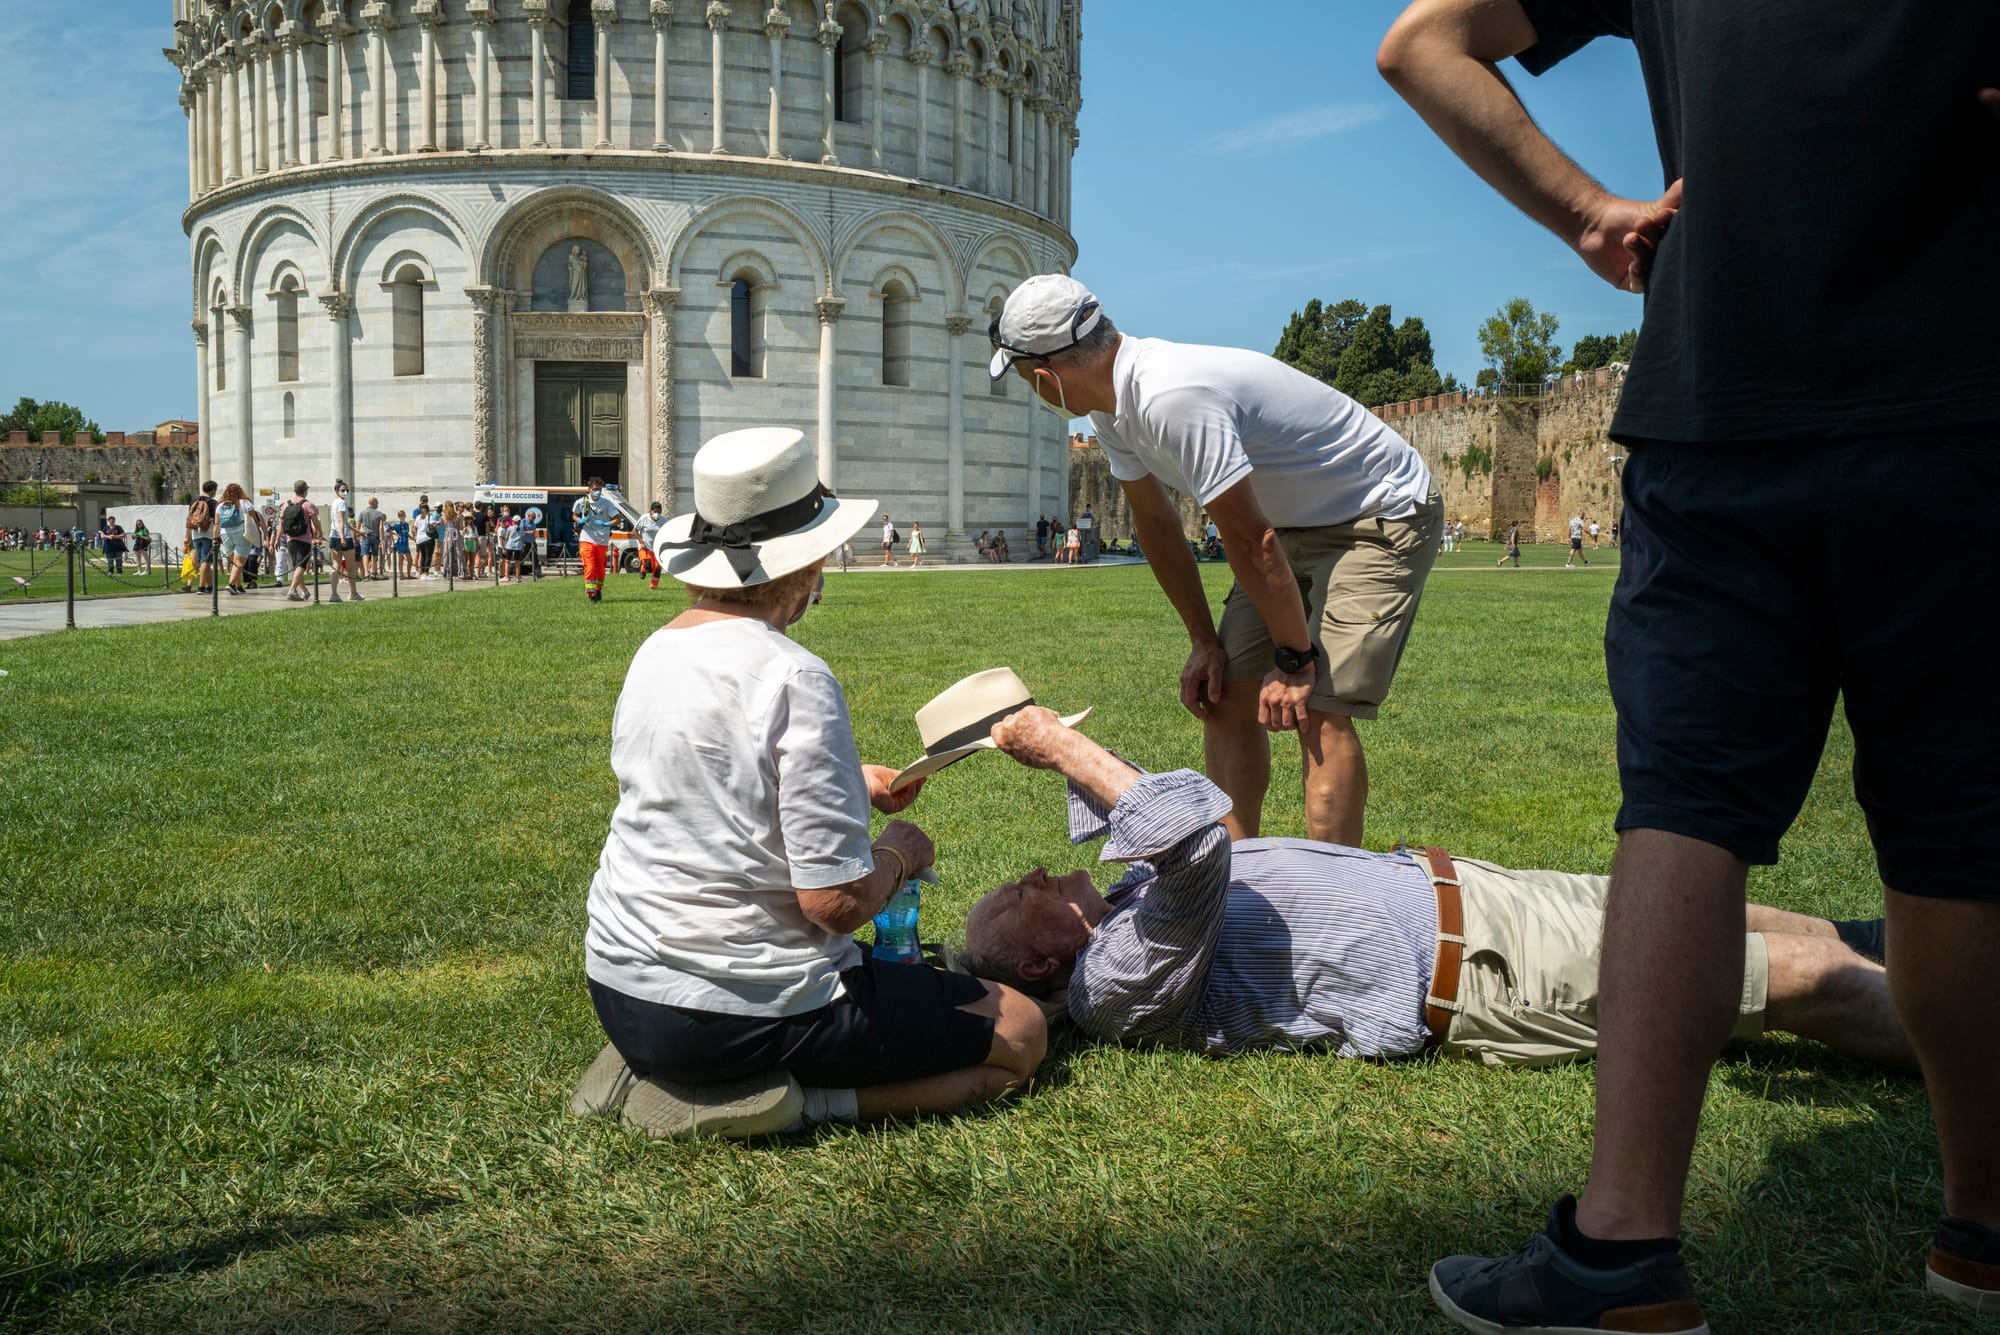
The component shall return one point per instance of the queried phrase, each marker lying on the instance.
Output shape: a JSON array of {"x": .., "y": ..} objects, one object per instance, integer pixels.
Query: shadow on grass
[{"x": 26, "y": 1290}]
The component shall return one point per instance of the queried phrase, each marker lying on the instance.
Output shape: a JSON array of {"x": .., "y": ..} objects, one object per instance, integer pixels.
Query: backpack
[
  {"x": 895, "y": 535},
  {"x": 293, "y": 522},
  {"x": 199, "y": 513}
]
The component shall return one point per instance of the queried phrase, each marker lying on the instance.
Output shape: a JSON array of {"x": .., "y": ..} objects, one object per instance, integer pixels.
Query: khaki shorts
[
  {"x": 1527, "y": 992},
  {"x": 1360, "y": 584}
]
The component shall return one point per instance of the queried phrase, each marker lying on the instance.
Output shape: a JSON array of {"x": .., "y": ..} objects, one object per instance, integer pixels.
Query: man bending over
[{"x": 1220, "y": 947}]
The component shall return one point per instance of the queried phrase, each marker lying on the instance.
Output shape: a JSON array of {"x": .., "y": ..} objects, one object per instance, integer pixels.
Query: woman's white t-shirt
[{"x": 738, "y": 786}]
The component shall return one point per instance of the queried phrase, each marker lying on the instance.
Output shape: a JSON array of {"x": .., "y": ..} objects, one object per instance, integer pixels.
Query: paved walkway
[{"x": 24, "y": 619}]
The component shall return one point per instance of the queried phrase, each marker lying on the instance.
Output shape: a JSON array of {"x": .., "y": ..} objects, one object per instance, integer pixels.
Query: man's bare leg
[
  {"x": 1020, "y": 1041},
  {"x": 1941, "y": 954},
  {"x": 1823, "y": 991},
  {"x": 1238, "y": 754},
  {"x": 1763, "y": 918},
  {"x": 1336, "y": 779},
  {"x": 1672, "y": 974}
]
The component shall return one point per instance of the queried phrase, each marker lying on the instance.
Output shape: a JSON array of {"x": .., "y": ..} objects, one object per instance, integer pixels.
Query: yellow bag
[{"x": 187, "y": 567}]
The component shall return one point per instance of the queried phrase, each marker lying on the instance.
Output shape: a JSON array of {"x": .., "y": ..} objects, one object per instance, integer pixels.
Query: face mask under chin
[{"x": 1061, "y": 407}]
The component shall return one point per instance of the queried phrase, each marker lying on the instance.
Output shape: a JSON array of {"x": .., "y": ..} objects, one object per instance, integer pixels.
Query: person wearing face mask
[
  {"x": 594, "y": 514},
  {"x": 719, "y": 950},
  {"x": 1329, "y": 520}
]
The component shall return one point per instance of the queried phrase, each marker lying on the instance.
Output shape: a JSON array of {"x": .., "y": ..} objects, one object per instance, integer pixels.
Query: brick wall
[{"x": 124, "y": 460}]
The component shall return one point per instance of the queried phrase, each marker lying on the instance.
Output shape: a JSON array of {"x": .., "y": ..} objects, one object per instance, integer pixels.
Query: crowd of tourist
[{"x": 269, "y": 545}]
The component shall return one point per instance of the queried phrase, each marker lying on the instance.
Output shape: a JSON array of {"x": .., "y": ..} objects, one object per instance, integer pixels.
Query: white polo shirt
[
  {"x": 738, "y": 786},
  {"x": 1203, "y": 419}
]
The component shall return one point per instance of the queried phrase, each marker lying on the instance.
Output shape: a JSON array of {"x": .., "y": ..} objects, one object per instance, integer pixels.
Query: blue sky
[{"x": 1209, "y": 205}]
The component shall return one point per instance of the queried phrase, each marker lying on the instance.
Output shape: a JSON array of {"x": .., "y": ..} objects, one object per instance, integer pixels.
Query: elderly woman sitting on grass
[{"x": 738, "y": 862}]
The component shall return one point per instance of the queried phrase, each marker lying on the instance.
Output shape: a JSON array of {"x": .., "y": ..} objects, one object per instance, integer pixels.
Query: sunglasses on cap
[{"x": 1077, "y": 320}]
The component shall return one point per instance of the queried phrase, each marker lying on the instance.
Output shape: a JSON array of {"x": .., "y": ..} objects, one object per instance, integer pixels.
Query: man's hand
[
  {"x": 879, "y": 778},
  {"x": 913, "y": 844},
  {"x": 1201, "y": 678},
  {"x": 1623, "y": 237},
  {"x": 1034, "y": 736},
  {"x": 1281, "y": 706}
]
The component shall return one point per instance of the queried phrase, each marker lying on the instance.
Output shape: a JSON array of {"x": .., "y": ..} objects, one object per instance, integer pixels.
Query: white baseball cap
[{"x": 1049, "y": 313}]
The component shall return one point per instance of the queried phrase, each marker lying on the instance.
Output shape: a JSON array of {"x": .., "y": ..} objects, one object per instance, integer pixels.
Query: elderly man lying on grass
[{"x": 1287, "y": 943}]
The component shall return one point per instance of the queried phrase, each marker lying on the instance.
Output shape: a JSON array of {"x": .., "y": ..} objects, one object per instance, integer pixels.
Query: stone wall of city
[
  {"x": 151, "y": 467},
  {"x": 1496, "y": 461}
]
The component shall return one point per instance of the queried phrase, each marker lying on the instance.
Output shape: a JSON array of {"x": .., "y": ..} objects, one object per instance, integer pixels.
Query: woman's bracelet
[{"x": 902, "y": 863}]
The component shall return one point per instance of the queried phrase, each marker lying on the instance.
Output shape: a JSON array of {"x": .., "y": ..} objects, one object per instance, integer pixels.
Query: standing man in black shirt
[{"x": 1819, "y": 355}]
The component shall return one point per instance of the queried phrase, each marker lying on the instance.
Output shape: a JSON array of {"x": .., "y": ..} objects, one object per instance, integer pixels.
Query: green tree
[
  {"x": 36, "y": 418},
  {"x": 1362, "y": 352},
  {"x": 1595, "y": 350},
  {"x": 1519, "y": 343}
]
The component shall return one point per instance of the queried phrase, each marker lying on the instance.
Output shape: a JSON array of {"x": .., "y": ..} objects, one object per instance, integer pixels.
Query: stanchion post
[
  {"x": 71, "y": 581},
  {"x": 83, "y": 559},
  {"x": 315, "y": 552},
  {"x": 215, "y": 583},
  {"x": 395, "y": 574}
]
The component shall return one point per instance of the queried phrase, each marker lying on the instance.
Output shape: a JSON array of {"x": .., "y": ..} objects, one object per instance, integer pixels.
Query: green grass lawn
[
  {"x": 285, "y": 1037},
  {"x": 47, "y": 577}
]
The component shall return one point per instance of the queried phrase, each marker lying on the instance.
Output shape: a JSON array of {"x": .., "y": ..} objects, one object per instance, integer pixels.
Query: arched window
[
  {"x": 218, "y": 347},
  {"x": 582, "y": 52},
  {"x": 896, "y": 303},
  {"x": 746, "y": 328},
  {"x": 997, "y": 388},
  {"x": 288, "y": 330},
  {"x": 850, "y": 69},
  {"x": 406, "y": 304},
  {"x": 291, "y": 416}
]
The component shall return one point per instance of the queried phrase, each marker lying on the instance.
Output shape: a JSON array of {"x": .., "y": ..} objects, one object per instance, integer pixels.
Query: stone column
[
  {"x": 663, "y": 19},
  {"x": 921, "y": 56},
  {"x": 776, "y": 25},
  {"x": 379, "y": 21},
  {"x": 1032, "y": 433},
  {"x": 718, "y": 20},
  {"x": 829, "y": 52},
  {"x": 958, "y": 67},
  {"x": 1044, "y": 155},
  {"x": 485, "y": 431},
  {"x": 996, "y": 126},
  {"x": 661, "y": 303},
  {"x": 256, "y": 102},
  {"x": 957, "y": 326},
  {"x": 200, "y": 328},
  {"x": 288, "y": 130},
  {"x": 194, "y": 144},
  {"x": 877, "y": 47},
  {"x": 232, "y": 123},
  {"x": 604, "y": 16},
  {"x": 427, "y": 90},
  {"x": 239, "y": 320},
  {"x": 829, "y": 308},
  {"x": 538, "y": 71},
  {"x": 482, "y": 74},
  {"x": 335, "y": 32},
  {"x": 339, "y": 305},
  {"x": 1015, "y": 140}
]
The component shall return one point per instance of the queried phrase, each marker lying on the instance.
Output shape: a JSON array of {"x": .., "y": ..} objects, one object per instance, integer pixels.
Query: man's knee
[{"x": 1020, "y": 1031}]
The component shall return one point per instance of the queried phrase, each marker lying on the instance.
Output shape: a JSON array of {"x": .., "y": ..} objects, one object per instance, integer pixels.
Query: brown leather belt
[{"x": 1440, "y": 1006}]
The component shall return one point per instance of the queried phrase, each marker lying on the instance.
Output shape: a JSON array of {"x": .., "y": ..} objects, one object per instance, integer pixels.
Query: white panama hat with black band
[
  {"x": 959, "y": 720},
  {"x": 759, "y": 512}
]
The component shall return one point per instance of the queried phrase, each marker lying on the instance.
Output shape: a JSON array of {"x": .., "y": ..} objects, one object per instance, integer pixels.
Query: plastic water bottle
[{"x": 896, "y": 926}]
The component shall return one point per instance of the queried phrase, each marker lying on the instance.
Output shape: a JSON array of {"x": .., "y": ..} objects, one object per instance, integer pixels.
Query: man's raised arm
[
  {"x": 1036, "y": 737},
  {"x": 1443, "y": 57}
]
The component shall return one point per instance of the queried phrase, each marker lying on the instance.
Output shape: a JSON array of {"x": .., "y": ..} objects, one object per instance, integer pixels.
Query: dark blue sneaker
[
  {"x": 1965, "y": 1264},
  {"x": 1541, "y": 1290}
]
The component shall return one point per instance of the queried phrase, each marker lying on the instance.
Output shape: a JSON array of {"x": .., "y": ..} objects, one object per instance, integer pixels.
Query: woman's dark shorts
[
  {"x": 1754, "y": 592},
  {"x": 897, "y": 1022}
]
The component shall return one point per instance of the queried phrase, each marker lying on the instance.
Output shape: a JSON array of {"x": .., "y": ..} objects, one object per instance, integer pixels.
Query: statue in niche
[{"x": 579, "y": 279}]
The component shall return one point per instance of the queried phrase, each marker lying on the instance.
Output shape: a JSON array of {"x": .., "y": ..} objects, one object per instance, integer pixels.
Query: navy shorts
[
  {"x": 897, "y": 1022},
  {"x": 1752, "y": 597}
]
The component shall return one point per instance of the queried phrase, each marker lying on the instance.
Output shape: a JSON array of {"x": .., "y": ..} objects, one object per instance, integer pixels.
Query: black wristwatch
[{"x": 1294, "y": 660}]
